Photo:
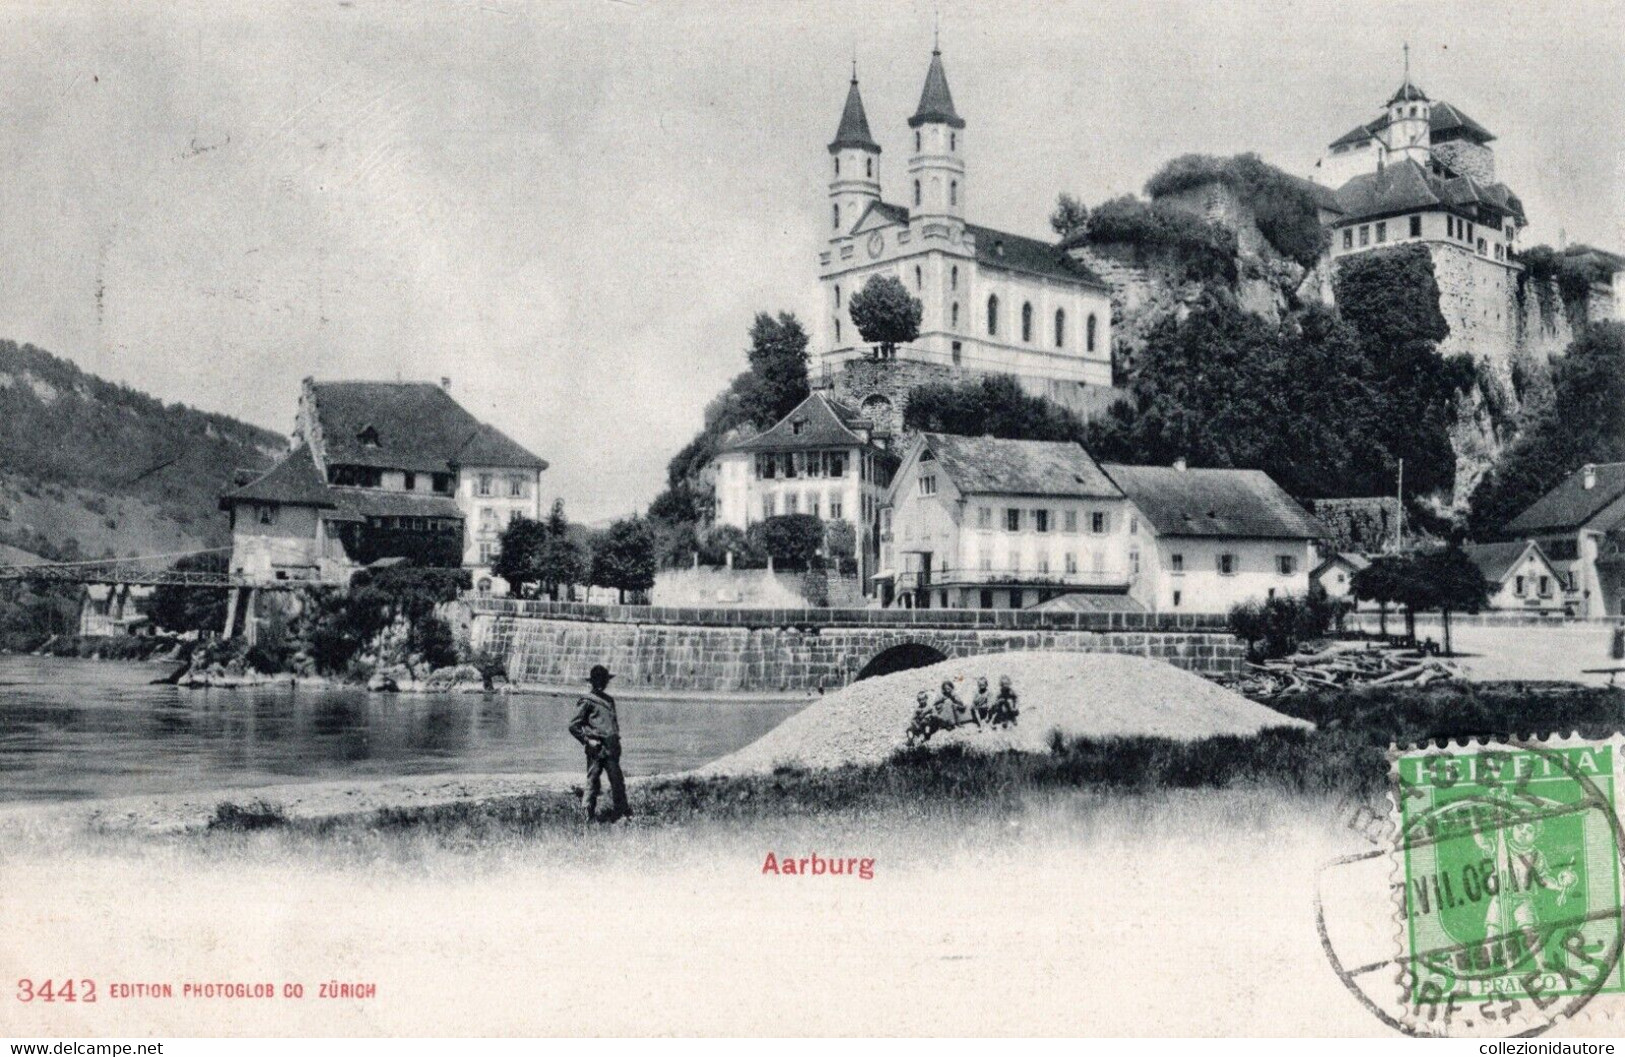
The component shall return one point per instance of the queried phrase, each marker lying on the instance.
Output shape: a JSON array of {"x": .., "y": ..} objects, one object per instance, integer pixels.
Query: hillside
[{"x": 88, "y": 466}]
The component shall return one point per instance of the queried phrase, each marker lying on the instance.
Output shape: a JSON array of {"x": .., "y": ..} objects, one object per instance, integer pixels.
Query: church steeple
[
  {"x": 855, "y": 183},
  {"x": 937, "y": 168}
]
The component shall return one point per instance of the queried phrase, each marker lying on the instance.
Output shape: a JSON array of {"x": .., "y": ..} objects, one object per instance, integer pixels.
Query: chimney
[
  {"x": 1179, "y": 464},
  {"x": 445, "y": 383},
  {"x": 1589, "y": 476}
]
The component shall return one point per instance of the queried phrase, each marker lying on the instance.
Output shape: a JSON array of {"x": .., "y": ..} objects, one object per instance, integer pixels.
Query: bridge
[{"x": 734, "y": 650}]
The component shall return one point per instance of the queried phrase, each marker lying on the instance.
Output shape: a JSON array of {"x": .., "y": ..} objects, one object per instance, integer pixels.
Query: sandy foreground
[{"x": 1180, "y": 914}]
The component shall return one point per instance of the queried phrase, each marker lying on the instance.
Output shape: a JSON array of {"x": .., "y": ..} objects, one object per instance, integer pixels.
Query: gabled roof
[
  {"x": 419, "y": 428},
  {"x": 854, "y": 128},
  {"x": 989, "y": 466},
  {"x": 1090, "y": 602},
  {"x": 1497, "y": 560},
  {"x": 885, "y": 212},
  {"x": 936, "y": 102},
  {"x": 824, "y": 423},
  {"x": 1244, "y": 504},
  {"x": 1405, "y": 186},
  {"x": 292, "y": 481},
  {"x": 1018, "y": 253},
  {"x": 1571, "y": 505},
  {"x": 1354, "y": 560},
  {"x": 1446, "y": 118}
]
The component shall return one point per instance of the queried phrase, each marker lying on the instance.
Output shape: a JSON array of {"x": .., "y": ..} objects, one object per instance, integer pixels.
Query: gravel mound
[{"x": 1091, "y": 695}]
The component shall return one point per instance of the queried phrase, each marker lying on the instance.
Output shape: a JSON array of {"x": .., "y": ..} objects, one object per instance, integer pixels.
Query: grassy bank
[{"x": 1343, "y": 757}]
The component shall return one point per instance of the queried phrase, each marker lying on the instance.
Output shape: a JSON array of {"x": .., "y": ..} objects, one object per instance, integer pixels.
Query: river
[{"x": 77, "y": 729}]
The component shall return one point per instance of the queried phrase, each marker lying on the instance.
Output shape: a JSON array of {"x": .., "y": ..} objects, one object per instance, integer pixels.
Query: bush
[
  {"x": 256, "y": 815},
  {"x": 1274, "y": 627},
  {"x": 1205, "y": 250},
  {"x": 791, "y": 540},
  {"x": 1284, "y": 207}
]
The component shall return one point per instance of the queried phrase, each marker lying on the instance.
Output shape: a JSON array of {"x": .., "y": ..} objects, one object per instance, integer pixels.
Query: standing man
[{"x": 598, "y": 730}]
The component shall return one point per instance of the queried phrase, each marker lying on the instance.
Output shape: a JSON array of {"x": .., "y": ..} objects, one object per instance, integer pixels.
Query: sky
[{"x": 574, "y": 209}]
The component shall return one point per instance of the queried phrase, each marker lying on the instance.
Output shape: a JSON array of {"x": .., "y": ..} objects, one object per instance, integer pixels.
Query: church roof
[
  {"x": 1407, "y": 93},
  {"x": 1018, "y": 253},
  {"x": 854, "y": 130},
  {"x": 936, "y": 102},
  {"x": 1406, "y": 186}
]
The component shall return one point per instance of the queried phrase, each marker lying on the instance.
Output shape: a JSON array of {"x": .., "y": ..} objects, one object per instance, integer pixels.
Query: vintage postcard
[{"x": 557, "y": 518}]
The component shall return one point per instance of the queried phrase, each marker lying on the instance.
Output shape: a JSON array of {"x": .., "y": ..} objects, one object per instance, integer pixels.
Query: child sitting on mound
[
  {"x": 1005, "y": 709},
  {"x": 928, "y": 719}
]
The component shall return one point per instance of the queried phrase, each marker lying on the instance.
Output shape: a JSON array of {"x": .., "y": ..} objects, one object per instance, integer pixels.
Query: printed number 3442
[{"x": 56, "y": 990}]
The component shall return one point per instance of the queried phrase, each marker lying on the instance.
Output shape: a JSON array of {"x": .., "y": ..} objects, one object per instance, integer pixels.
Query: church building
[{"x": 993, "y": 302}]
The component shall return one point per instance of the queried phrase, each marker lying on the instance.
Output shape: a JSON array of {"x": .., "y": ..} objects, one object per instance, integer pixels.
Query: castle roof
[
  {"x": 854, "y": 129},
  {"x": 990, "y": 466},
  {"x": 414, "y": 426},
  {"x": 292, "y": 481},
  {"x": 1242, "y": 504},
  {"x": 1407, "y": 93},
  {"x": 936, "y": 102},
  {"x": 1445, "y": 121},
  {"x": 1405, "y": 186}
]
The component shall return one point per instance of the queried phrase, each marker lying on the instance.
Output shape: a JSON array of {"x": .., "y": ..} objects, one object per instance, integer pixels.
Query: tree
[
  {"x": 181, "y": 609},
  {"x": 1584, "y": 424},
  {"x": 791, "y": 540},
  {"x": 565, "y": 560},
  {"x": 519, "y": 557},
  {"x": 545, "y": 553},
  {"x": 777, "y": 380},
  {"x": 994, "y": 405},
  {"x": 886, "y": 313},
  {"x": 1381, "y": 582},
  {"x": 1070, "y": 216},
  {"x": 623, "y": 557},
  {"x": 1448, "y": 580}
]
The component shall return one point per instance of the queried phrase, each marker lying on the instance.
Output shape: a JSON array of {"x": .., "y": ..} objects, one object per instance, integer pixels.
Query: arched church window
[
  {"x": 916, "y": 141},
  {"x": 1027, "y": 321},
  {"x": 837, "y": 165},
  {"x": 993, "y": 314},
  {"x": 869, "y": 168},
  {"x": 953, "y": 278},
  {"x": 953, "y": 141},
  {"x": 1060, "y": 328},
  {"x": 837, "y": 295},
  {"x": 837, "y": 216},
  {"x": 916, "y": 194},
  {"x": 837, "y": 330},
  {"x": 953, "y": 192},
  {"x": 1089, "y": 334},
  {"x": 955, "y": 315},
  {"x": 919, "y": 278}
]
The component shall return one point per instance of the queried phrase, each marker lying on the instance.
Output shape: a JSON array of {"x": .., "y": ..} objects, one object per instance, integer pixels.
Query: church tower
[
  {"x": 936, "y": 170},
  {"x": 1408, "y": 133},
  {"x": 854, "y": 163}
]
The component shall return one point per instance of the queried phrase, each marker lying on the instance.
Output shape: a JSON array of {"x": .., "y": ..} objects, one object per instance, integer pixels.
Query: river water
[{"x": 75, "y": 729}]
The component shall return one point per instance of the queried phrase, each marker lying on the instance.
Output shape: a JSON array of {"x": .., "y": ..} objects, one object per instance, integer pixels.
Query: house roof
[
  {"x": 936, "y": 102},
  {"x": 292, "y": 481},
  {"x": 1443, "y": 119},
  {"x": 1236, "y": 503},
  {"x": 418, "y": 425},
  {"x": 1497, "y": 560},
  {"x": 988, "y": 466},
  {"x": 1018, "y": 253},
  {"x": 824, "y": 423},
  {"x": 1353, "y": 559},
  {"x": 359, "y": 503},
  {"x": 1571, "y": 505},
  {"x": 1090, "y": 602},
  {"x": 1406, "y": 186},
  {"x": 854, "y": 127}
]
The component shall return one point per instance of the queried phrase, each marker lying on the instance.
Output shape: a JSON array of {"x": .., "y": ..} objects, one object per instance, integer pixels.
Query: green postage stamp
[{"x": 1508, "y": 880}]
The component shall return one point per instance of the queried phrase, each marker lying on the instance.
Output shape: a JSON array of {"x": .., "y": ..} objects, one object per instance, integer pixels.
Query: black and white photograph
[{"x": 874, "y": 518}]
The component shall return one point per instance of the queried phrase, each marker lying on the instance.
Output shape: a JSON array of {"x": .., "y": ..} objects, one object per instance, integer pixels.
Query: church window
[
  {"x": 837, "y": 165},
  {"x": 837, "y": 295},
  {"x": 1416, "y": 227},
  {"x": 869, "y": 168},
  {"x": 953, "y": 192},
  {"x": 916, "y": 193},
  {"x": 953, "y": 141},
  {"x": 916, "y": 141},
  {"x": 1027, "y": 321},
  {"x": 955, "y": 316},
  {"x": 953, "y": 278},
  {"x": 837, "y": 329},
  {"x": 919, "y": 278},
  {"x": 958, "y": 350},
  {"x": 1089, "y": 334},
  {"x": 837, "y": 216},
  {"x": 1060, "y": 328},
  {"x": 993, "y": 314}
]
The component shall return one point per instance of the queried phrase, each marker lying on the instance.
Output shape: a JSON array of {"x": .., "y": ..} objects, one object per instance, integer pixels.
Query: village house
[
  {"x": 381, "y": 470},
  {"x": 822, "y": 459},
  {"x": 1214, "y": 537},
  {"x": 1520, "y": 576},
  {"x": 1335, "y": 575},
  {"x": 1580, "y": 526}
]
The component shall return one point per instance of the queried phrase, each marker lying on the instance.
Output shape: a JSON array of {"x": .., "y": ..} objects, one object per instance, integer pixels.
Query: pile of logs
[{"x": 1343, "y": 665}]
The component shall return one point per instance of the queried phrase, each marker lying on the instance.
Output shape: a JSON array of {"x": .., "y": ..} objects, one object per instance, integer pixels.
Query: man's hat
[{"x": 599, "y": 674}]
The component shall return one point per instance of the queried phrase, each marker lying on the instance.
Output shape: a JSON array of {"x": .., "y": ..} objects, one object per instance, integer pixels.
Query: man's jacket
[{"x": 595, "y": 719}]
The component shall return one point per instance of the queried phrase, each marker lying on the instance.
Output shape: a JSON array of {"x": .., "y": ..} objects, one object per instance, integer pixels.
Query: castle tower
[
  {"x": 854, "y": 165},
  {"x": 1408, "y": 133},
  {"x": 937, "y": 168}
]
